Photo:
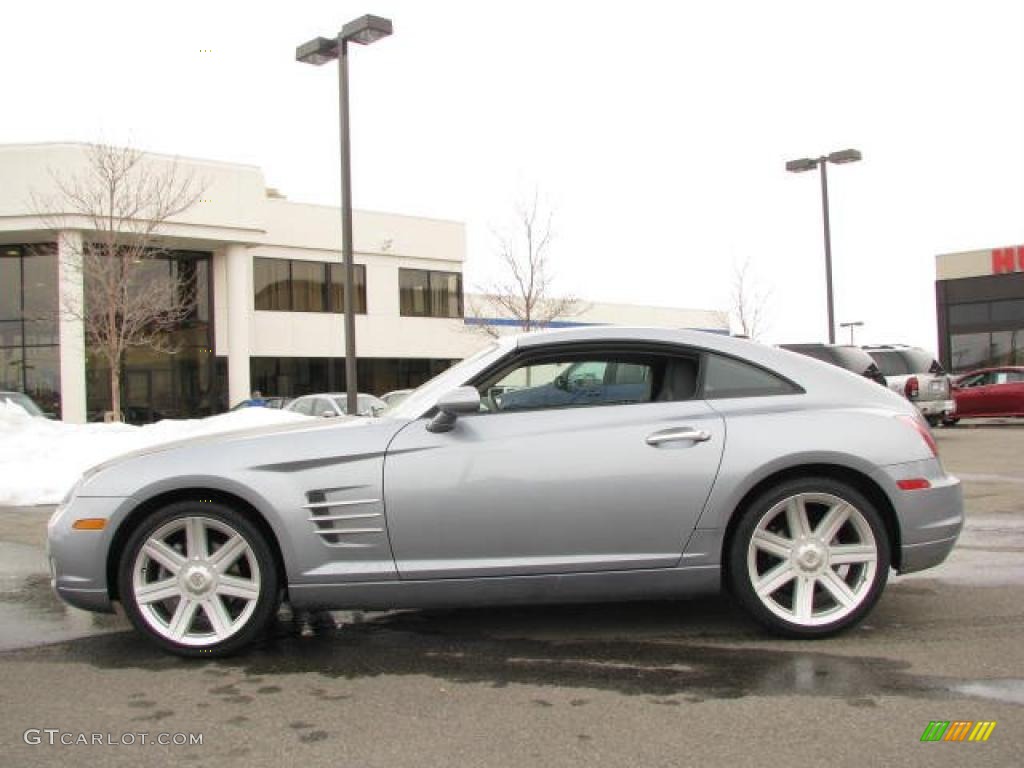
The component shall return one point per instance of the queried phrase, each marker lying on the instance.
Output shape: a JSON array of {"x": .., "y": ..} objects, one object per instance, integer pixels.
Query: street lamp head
[
  {"x": 366, "y": 29},
  {"x": 845, "y": 156},
  {"x": 317, "y": 51},
  {"x": 803, "y": 164}
]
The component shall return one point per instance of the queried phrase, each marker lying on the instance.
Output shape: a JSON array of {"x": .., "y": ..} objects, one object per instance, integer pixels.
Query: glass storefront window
[
  {"x": 296, "y": 376},
  {"x": 10, "y": 283},
  {"x": 1008, "y": 313},
  {"x": 291, "y": 285},
  {"x": 309, "y": 286},
  {"x": 968, "y": 314},
  {"x": 445, "y": 294},
  {"x": 969, "y": 350},
  {"x": 29, "y": 357},
  {"x": 42, "y": 377},
  {"x": 338, "y": 288},
  {"x": 10, "y": 333},
  {"x": 182, "y": 383},
  {"x": 414, "y": 292},
  {"x": 271, "y": 278},
  {"x": 10, "y": 369},
  {"x": 423, "y": 293},
  {"x": 1008, "y": 348}
]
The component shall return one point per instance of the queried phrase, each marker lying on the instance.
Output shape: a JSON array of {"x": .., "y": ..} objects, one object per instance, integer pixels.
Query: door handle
[{"x": 678, "y": 436}]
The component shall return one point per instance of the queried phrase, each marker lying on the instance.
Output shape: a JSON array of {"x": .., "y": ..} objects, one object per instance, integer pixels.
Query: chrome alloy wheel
[
  {"x": 812, "y": 559},
  {"x": 196, "y": 581}
]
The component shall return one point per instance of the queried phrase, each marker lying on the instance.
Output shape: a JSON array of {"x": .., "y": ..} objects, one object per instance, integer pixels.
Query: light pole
[
  {"x": 807, "y": 164},
  {"x": 320, "y": 50},
  {"x": 851, "y": 326}
]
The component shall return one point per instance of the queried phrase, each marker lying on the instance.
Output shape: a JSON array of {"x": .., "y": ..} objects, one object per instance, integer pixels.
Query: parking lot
[{"x": 641, "y": 684}]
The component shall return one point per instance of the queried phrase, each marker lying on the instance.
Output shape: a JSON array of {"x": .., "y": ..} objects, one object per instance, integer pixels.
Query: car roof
[
  {"x": 1016, "y": 368},
  {"x": 729, "y": 345},
  {"x": 827, "y": 380}
]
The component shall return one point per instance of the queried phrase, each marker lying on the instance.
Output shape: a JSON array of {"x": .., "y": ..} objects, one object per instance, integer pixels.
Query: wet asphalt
[{"x": 638, "y": 684}]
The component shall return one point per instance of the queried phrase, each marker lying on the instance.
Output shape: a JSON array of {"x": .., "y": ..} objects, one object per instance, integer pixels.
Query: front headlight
[{"x": 66, "y": 500}]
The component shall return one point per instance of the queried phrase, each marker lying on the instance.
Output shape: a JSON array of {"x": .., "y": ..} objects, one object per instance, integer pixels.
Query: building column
[
  {"x": 239, "y": 307},
  {"x": 71, "y": 326}
]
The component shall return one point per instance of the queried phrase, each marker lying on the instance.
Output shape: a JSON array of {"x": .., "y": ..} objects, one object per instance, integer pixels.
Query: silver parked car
[
  {"x": 396, "y": 396},
  {"x": 331, "y": 404},
  {"x": 571, "y": 465},
  {"x": 919, "y": 377}
]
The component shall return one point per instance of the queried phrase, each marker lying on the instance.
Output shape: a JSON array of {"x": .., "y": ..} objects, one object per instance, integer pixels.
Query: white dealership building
[{"x": 267, "y": 289}]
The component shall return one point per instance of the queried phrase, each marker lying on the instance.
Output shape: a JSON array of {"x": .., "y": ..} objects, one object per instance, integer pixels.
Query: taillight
[
  {"x": 923, "y": 431},
  {"x": 912, "y": 388},
  {"x": 914, "y": 484}
]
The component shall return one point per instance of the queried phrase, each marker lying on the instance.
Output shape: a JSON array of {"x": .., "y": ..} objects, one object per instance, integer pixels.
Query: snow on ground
[{"x": 40, "y": 459}]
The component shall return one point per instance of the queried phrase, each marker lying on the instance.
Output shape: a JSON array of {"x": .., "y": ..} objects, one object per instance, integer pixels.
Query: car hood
[{"x": 226, "y": 454}]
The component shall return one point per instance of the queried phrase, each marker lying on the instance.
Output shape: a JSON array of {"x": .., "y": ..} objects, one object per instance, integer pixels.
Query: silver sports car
[{"x": 573, "y": 465}]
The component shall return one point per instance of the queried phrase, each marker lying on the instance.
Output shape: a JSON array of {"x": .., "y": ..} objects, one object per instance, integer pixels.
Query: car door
[
  {"x": 1015, "y": 393},
  {"x": 971, "y": 395},
  {"x": 1006, "y": 392},
  {"x": 611, "y": 475}
]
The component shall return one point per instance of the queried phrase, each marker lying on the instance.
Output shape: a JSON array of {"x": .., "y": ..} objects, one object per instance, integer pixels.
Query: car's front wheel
[
  {"x": 809, "y": 557},
  {"x": 198, "y": 578}
]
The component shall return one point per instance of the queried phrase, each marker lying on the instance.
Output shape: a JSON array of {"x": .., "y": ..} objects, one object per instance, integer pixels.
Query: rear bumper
[
  {"x": 936, "y": 407},
  {"x": 917, "y": 557},
  {"x": 929, "y": 519}
]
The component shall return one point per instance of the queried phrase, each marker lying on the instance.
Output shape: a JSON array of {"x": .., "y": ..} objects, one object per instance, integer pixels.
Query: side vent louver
[{"x": 344, "y": 522}]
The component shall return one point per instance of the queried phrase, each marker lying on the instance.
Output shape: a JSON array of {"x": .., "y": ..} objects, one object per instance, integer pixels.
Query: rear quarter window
[{"x": 727, "y": 377}]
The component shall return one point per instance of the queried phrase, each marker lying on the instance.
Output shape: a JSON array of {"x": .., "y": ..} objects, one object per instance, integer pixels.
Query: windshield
[
  {"x": 23, "y": 401},
  {"x": 853, "y": 359},
  {"x": 422, "y": 399},
  {"x": 899, "y": 362}
]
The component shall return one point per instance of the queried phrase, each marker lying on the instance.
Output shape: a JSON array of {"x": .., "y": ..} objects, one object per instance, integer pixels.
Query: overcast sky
[{"x": 657, "y": 131}]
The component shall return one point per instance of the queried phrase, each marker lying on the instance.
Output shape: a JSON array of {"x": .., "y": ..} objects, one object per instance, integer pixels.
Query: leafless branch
[
  {"x": 749, "y": 301},
  {"x": 121, "y": 202},
  {"x": 523, "y": 295}
]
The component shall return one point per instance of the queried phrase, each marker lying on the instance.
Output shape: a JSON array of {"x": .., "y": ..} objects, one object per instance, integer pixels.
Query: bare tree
[
  {"x": 121, "y": 202},
  {"x": 749, "y": 301},
  {"x": 524, "y": 293}
]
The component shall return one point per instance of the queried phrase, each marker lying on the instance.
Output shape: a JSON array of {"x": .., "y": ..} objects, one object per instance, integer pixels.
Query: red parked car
[{"x": 989, "y": 392}]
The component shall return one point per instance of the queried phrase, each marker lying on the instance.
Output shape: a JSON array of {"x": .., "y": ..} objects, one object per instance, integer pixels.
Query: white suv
[{"x": 919, "y": 377}]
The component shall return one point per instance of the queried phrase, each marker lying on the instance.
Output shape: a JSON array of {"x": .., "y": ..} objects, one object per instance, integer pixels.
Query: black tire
[
  {"x": 746, "y": 563},
  {"x": 258, "y": 560},
  {"x": 933, "y": 421},
  {"x": 950, "y": 422}
]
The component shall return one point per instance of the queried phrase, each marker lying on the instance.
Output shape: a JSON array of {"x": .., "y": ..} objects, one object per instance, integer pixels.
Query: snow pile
[{"x": 40, "y": 460}]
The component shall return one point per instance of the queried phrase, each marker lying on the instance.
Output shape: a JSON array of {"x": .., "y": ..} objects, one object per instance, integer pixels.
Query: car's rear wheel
[
  {"x": 809, "y": 558},
  {"x": 933, "y": 421},
  {"x": 198, "y": 578}
]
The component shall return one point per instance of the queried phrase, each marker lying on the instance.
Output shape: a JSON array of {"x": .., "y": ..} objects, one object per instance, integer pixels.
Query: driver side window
[{"x": 574, "y": 381}]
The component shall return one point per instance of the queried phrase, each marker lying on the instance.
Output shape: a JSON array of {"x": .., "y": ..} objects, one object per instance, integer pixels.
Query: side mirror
[
  {"x": 450, "y": 405},
  {"x": 329, "y": 414}
]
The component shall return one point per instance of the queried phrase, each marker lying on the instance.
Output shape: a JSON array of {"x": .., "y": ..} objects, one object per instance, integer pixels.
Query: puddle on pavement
[
  {"x": 1011, "y": 690},
  {"x": 30, "y": 614},
  {"x": 989, "y": 553},
  {"x": 426, "y": 643},
  {"x": 672, "y": 650}
]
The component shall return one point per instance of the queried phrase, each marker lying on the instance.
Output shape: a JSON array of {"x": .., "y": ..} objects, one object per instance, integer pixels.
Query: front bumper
[{"x": 78, "y": 558}]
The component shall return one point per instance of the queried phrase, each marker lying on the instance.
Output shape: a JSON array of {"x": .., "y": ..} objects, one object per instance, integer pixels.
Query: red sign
[{"x": 1008, "y": 260}]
